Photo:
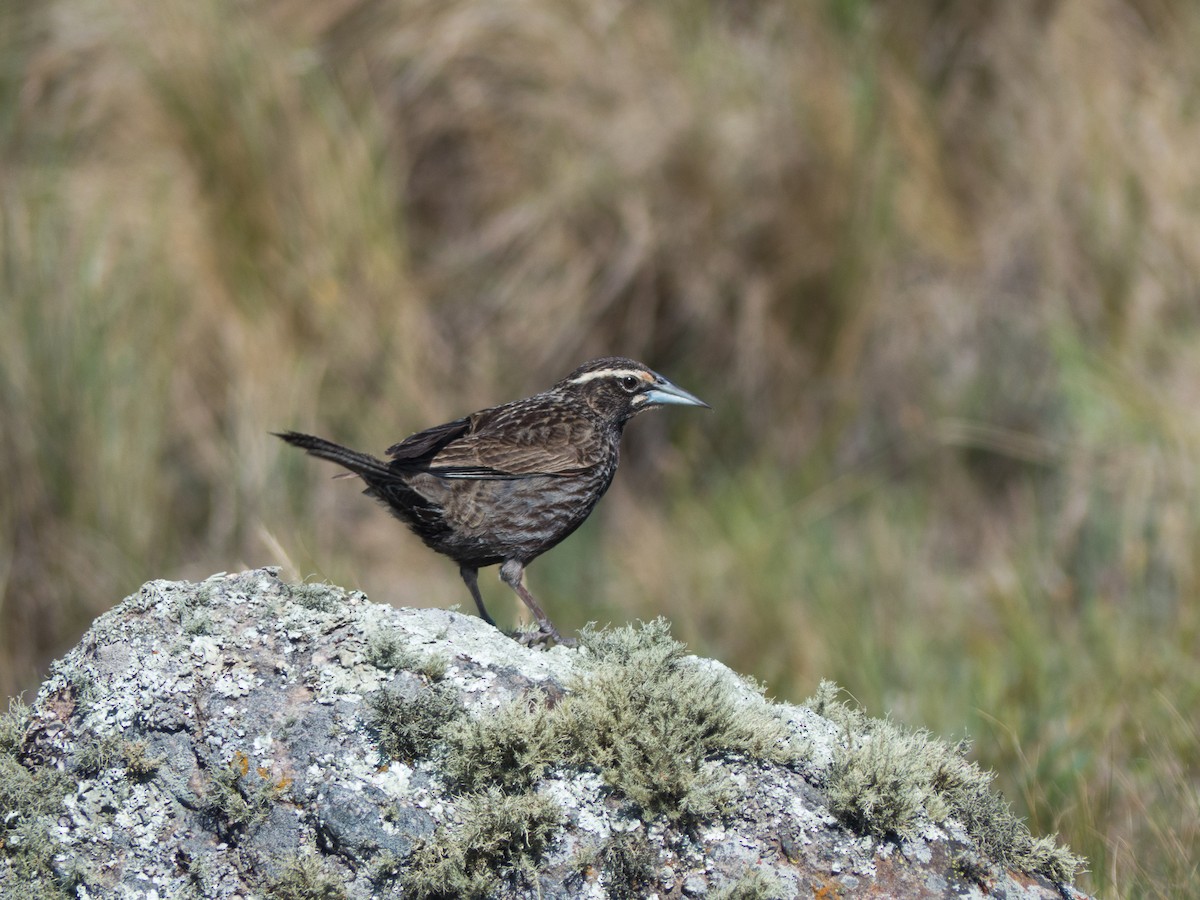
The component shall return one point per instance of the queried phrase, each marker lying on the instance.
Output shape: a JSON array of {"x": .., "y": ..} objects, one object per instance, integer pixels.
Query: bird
[{"x": 504, "y": 485}]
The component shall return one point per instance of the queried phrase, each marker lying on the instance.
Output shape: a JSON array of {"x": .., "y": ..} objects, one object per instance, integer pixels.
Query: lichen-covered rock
[{"x": 243, "y": 737}]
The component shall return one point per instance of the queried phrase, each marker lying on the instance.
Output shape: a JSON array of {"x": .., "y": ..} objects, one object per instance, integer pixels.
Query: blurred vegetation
[{"x": 934, "y": 264}]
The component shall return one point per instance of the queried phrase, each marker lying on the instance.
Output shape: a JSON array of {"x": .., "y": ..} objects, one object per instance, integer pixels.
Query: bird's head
[{"x": 620, "y": 388}]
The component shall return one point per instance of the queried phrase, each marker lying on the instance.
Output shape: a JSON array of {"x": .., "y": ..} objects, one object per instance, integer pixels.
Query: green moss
[
  {"x": 28, "y": 793},
  {"x": 972, "y": 867},
  {"x": 510, "y": 749},
  {"x": 304, "y": 878},
  {"x": 885, "y": 778},
  {"x": 196, "y": 622},
  {"x": 237, "y": 799},
  {"x": 29, "y": 797},
  {"x": 412, "y": 728},
  {"x": 201, "y": 596},
  {"x": 878, "y": 788},
  {"x": 386, "y": 650},
  {"x": 498, "y": 838},
  {"x": 13, "y": 725},
  {"x": 624, "y": 716},
  {"x": 199, "y": 871},
  {"x": 27, "y": 849},
  {"x": 627, "y": 864},
  {"x": 139, "y": 766},
  {"x": 83, "y": 685},
  {"x": 93, "y": 755},
  {"x": 319, "y": 597},
  {"x": 42, "y": 886},
  {"x": 384, "y": 868},
  {"x": 752, "y": 885}
]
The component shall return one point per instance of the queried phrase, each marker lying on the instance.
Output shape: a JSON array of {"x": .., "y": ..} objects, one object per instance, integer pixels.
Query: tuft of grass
[
  {"x": 498, "y": 839},
  {"x": 886, "y": 780}
]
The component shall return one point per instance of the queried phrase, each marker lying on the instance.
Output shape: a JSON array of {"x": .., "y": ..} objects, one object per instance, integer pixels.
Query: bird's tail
[{"x": 364, "y": 465}]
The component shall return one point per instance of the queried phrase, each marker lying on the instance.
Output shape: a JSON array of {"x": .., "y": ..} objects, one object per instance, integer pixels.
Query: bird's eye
[{"x": 630, "y": 383}]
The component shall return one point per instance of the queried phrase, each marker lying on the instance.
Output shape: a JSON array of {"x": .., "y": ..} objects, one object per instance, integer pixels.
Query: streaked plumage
[{"x": 505, "y": 484}]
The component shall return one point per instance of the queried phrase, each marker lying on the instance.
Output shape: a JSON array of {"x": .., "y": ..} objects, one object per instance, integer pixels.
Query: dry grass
[{"x": 934, "y": 265}]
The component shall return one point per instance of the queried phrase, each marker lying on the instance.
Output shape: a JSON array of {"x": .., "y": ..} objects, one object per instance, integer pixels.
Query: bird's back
[{"x": 508, "y": 482}]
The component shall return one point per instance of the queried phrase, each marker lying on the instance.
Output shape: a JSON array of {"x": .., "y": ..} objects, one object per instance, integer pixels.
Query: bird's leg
[
  {"x": 512, "y": 573},
  {"x": 471, "y": 576}
]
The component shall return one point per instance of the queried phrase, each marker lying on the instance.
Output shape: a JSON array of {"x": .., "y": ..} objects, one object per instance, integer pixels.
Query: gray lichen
[
  {"x": 411, "y": 727},
  {"x": 648, "y": 718},
  {"x": 627, "y": 864},
  {"x": 236, "y": 799},
  {"x": 752, "y": 885},
  {"x": 388, "y": 651},
  {"x": 419, "y": 753},
  {"x": 887, "y": 781},
  {"x": 622, "y": 716},
  {"x": 29, "y": 795},
  {"x": 305, "y": 878},
  {"x": 497, "y": 841}
]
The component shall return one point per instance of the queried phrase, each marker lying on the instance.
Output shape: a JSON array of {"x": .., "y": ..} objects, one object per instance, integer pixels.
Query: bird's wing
[
  {"x": 495, "y": 444},
  {"x": 424, "y": 444}
]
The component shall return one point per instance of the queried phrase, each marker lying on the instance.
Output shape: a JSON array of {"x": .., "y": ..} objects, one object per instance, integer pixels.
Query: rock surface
[{"x": 243, "y": 737}]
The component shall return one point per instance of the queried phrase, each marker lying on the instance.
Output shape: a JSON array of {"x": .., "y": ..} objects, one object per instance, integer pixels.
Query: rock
[{"x": 244, "y": 737}]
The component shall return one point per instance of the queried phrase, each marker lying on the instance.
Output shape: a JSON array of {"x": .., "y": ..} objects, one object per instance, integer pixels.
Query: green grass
[{"x": 933, "y": 265}]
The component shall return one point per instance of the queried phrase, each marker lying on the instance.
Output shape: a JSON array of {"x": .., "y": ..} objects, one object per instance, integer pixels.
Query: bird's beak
[{"x": 664, "y": 393}]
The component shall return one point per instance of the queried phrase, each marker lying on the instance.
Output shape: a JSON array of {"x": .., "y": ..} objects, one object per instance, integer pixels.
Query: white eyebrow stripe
[{"x": 612, "y": 373}]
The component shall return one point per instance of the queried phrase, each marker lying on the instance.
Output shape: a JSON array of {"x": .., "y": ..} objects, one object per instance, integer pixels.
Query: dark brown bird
[{"x": 505, "y": 484}]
